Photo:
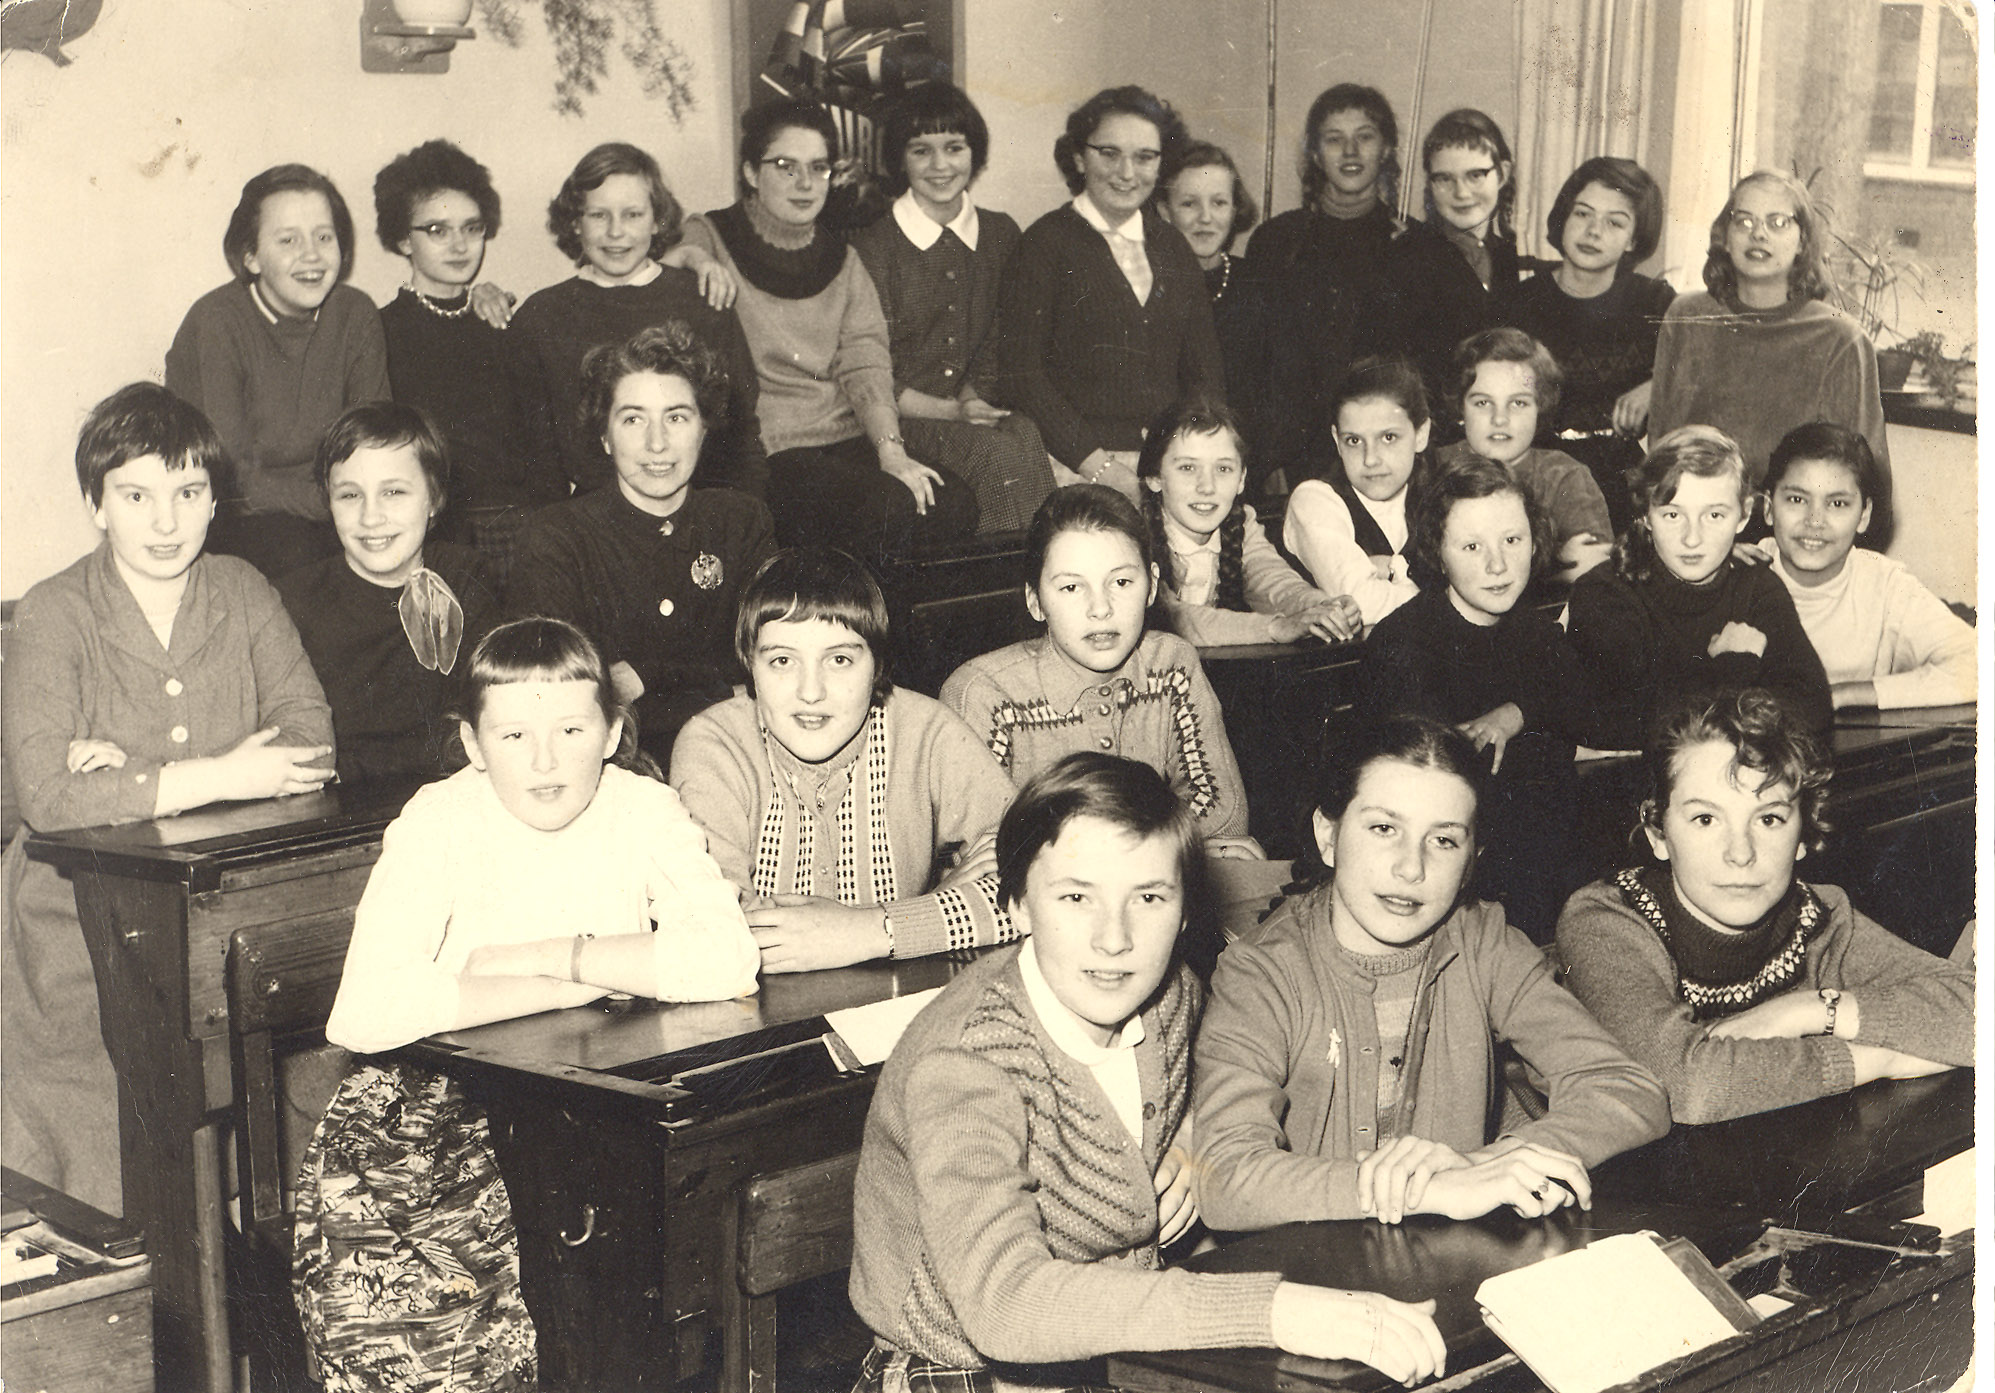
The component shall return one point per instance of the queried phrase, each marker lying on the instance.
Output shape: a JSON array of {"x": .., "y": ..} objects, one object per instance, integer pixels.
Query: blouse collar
[
  {"x": 1132, "y": 228},
  {"x": 644, "y": 275},
  {"x": 1064, "y": 1027},
  {"x": 925, "y": 232}
]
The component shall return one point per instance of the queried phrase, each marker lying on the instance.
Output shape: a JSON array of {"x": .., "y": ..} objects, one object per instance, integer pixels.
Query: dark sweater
[
  {"x": 1434, "y": 300},
  {"x": 608, "y": 568},
  {"x": 1426, "y": 658},
  {"x": 546, "y": 341},
  {"x": 455, "y": 371},
  {"x": 1080, "y": 356},
  {"x": 1647, "y": 645},
  {"x": 271, "y": 389},
  {"x": 388, "y": 710},
  {"x": 1604, "y": 346},
  {"x": 1317, "y": 281}
]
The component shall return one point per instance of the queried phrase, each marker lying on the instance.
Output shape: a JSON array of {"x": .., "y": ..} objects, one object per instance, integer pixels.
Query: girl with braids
[
  {"x": 1742, "y": 988},
  {"x": 1223, "y": 581}
]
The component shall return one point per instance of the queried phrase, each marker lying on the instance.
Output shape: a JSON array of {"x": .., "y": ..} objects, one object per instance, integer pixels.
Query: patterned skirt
[
  {"x": 405, "y": 1266},
  {"x": 898, "y": 1371}
]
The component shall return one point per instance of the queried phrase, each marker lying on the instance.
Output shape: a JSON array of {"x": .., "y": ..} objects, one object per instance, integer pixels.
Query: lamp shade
[{"x": 433, "y": 13}]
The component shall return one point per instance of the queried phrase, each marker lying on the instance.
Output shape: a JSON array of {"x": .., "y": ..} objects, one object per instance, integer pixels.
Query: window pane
[
  {"x": 1954, "y": 113},
  {"x": 1891, "y": 109}
]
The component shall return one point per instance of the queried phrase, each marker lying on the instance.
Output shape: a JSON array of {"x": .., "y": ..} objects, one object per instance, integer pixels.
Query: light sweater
[
  {"x": 1558, "y": 486},
  {"x": 817, "y": 358},
  {"x": 1272, "y": 587},
  {"x": 1876, "y": 623},
  {"x": 866, "y": 827},
  {"x": 1288, "y": 1061},
  {"x": 1002, "y": 1214},
  {"x": 1032, "y": 705},
  {"x": 1318, "y": 531},
  {"x": 458, "y": 872},
  {"x": 1623, "y": 971}
]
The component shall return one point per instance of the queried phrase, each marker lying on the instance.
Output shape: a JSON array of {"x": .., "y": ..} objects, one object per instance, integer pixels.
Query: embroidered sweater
[
  {"x": 272, "y": 387},
  {"x": 1288, "y": 1057},
  {"x": 1272, "y": 586},
  {"x": 867, "y": 827},
  {"x": 1558, "y": 485},
  {"x": 458, "y": 872},
  {"x": 1648, "y": 643},
  {"x": 1875, "y": 622},
  {"x": 1623, "y": 970},
  {"x": 1002, "y": 1213},
  {"x": 1032, "y": 704}
]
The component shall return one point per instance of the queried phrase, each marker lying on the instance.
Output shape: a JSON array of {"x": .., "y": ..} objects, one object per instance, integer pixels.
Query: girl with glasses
[
  {"x": 1454, "y": 274},
  {"x": 1760, "y": 350},
  {"x": 1105, "y": 319},
  {"x": 840, "y": 469}
]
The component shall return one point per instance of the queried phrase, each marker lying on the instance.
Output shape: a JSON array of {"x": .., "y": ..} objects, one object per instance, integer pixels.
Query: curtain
[{"x": 1585, "y": 87}]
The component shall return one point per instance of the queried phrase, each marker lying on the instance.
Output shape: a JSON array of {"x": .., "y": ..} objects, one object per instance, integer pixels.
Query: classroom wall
[{"x": 118, "y": 173}]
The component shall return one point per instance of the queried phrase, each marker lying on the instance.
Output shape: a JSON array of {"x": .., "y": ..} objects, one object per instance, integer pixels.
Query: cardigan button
[
  {"x": 1103, "y": 709},
  {"x": 949, "y": 275},
  {"x": 667, "y": 527},
  {"x": 665, "y": 608},
  {"x": 178, "y": 735},
  {"x": 1106, "y": 743},
  {"x": 1149, "y": 1111},
  {"x": 174, "y": 686}
]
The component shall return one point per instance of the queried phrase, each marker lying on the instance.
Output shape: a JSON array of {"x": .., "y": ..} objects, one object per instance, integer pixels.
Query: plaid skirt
[{"x": 405, "y": 1266}]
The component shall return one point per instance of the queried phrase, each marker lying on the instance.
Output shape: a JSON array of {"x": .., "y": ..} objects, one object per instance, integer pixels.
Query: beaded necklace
[{"x": 436, "y": 307}]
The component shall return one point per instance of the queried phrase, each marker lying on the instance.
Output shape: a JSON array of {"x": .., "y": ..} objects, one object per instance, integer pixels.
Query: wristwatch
[{"x": 1830, "y": 997}]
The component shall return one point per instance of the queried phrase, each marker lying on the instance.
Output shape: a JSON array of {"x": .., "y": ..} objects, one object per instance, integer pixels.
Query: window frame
[{"x": 1919, "y": 168}]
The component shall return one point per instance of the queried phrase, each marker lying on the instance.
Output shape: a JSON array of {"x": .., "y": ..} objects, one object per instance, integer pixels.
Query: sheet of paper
[
  {"x": 1600, "y": 1315},
  {"x": 872, "y": 1031},
  {"x": 1950, "y": 1194}
]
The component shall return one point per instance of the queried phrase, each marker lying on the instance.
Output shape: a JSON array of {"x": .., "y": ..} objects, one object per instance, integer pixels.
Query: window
[{"x": 1923, "y": 117}]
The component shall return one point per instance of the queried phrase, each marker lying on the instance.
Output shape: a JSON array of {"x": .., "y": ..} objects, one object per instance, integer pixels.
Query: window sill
[{"x": 1913, "y": 409}]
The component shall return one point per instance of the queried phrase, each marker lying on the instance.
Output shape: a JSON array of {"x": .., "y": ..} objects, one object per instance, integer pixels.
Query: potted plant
[
  {"x": 1944, "y": 377},
  {"x": 584, "y": 31},
  {"x": 1870, "y": 278}
]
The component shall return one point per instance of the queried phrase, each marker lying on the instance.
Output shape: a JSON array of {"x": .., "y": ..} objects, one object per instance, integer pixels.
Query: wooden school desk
[
  {"x": 1869, "y": 1314},
  {"x": 159, "y": 902},
  {"x": 625, "y": 1132}
]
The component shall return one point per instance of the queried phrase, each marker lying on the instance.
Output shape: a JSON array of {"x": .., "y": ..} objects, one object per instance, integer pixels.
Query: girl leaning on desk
[
  {"x": 146, "y": 679},
  {"x": 1743, "y": 988}
]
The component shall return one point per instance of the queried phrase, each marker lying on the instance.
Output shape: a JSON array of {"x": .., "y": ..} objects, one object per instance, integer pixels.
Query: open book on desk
[{"x": 1606, "y": 1313}]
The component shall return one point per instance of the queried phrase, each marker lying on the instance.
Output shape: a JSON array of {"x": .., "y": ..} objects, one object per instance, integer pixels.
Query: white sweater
[
  {"x": 1875, "y": 622},
  {"x": 458, "y": 872}
]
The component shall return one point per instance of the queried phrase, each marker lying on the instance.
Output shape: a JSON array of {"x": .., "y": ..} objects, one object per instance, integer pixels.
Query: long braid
[
  {"x": 1232, "y": 593},
  {"x": 1160, "y": 542}
]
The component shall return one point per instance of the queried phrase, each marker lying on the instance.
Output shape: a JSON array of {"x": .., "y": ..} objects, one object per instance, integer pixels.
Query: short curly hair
[
  {"x": 246, "y": 222},
  {"x": 431, "y": 168},
  {"x": 934, "y": 108},
  {"x": 1629, "y": 180},
  {"x": 1203, "y": 154},
  {"x": 1767, "y": 736},
  {"x": 564, "y": 213},
  {"x": 1086, "y": 119},
  {"x": 1474, "y": 477},
  {"x": 670, "y": 349},
  {"x": 1508, "y": 345},
  {"x": 1807, "y": 278}
]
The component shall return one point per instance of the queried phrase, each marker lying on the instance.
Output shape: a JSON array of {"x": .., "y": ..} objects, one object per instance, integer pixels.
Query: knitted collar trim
[
  {"x": 779, "y": 271},
  {"x": 1723, "y": 974}
]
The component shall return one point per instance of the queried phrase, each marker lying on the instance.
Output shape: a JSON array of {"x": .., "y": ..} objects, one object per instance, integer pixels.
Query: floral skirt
[{"x": 405, "y": 1266}]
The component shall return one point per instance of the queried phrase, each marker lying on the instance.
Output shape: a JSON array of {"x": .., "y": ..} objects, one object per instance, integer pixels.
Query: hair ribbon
[{"x": 433, "y": 619}]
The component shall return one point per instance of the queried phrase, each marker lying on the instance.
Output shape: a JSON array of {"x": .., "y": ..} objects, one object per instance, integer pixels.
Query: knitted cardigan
[
  {"x": 1003, "y": 1213},
  {"x": 1288, "y": 1063},
  {"x": 1032, "y": 705},
  {"x": 1080, "y": 356},
  {"x": 865, "y": 828},
  {"x": 1619, "y": 966}
]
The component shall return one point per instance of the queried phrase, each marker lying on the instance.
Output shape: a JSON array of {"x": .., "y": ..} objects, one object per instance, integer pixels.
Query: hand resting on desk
[
  {"x": 1412, "y": 1175},
  {"x": 1177, "y": 1208},
  {"x": 802, "y": 933},
  {"x": 1395, "y": 1337}
]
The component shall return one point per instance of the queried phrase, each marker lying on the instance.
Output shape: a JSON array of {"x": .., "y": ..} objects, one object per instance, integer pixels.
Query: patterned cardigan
[{"x": 1033, "y": 705}]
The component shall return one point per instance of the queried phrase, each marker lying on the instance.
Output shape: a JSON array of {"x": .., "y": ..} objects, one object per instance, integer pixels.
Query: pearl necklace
[
  {"x": 438, "y": 310},
  {"x": 1225, "y": 277}
]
